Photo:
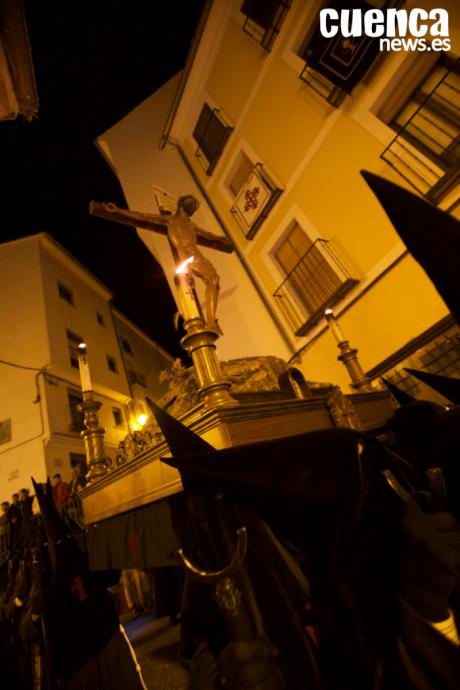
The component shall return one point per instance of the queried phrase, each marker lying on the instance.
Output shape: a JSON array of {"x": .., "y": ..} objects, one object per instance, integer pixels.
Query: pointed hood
[
  {"x": 432, "y": 236},
  {"x": 446, "y": 386},
  {"x": 53, "y": 524},
  {"x": 314, "y": 469},
  {"x": 180, "y": 439},
  {"x": 398, "y": 394}
]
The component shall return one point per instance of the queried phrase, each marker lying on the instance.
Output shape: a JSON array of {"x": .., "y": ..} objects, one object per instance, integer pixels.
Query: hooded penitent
[
  {"x": 446, "y": 386},
  {"x": 432, "y": 236},
  {"x": 323, "y": 494},
  {"x": 81, "y": 616},
  {"x": 398, "y": 394}
]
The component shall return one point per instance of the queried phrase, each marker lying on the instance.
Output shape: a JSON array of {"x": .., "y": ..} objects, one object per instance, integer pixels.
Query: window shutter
[{"x": 211, "y": 134}]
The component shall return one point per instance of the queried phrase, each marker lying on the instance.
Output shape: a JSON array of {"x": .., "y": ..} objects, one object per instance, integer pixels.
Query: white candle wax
[
  {"x": 335, "y": 328},
  {"x": 85, "y": 377}
]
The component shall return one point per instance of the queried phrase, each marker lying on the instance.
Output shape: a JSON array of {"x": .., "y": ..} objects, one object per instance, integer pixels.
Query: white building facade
[{"x": 49, "y": 303}]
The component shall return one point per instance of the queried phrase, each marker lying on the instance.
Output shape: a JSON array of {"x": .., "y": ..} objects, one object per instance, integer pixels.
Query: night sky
[{"x": 94, "y": 61}]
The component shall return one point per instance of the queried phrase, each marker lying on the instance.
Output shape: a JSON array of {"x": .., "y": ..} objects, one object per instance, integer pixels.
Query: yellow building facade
[{"x": 275, "y": 150}]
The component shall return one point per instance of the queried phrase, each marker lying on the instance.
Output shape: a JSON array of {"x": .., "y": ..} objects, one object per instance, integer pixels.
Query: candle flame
[{"x": 182, "y": 268}]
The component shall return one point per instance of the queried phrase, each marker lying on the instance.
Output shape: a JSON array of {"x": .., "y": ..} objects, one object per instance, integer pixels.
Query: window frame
[
  {"x": 117, "y": 411},
  {"x": 75, "y": 416},
  {"x": 112, "y": 364},
  {"x": 126, "y": 345},
  {"x": 73, "y": 340},
  {"x": 258, "y": 172},
  {"x": 135, "y": 377},
  {"x": 448, "y": 175},
  {"x": 266, "y": 36},
  {"x": 213, "y": 114},
  {"x": 66, "y": 294},
  {"x": 352, "y": 275}
]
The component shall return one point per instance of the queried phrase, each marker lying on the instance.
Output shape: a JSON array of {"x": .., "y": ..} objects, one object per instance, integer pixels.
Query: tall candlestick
[
  {"x": 334, "y": 326},
  {"x": 85, "y": 377},
  {"x": 199, "y": 341},
  {"x": 188, "y": 303}
]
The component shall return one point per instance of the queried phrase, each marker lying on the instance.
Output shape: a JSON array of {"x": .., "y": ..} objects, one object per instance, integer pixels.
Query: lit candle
[
  {"x": 334, "y": 326},
  {"x": 189, "y": 306},
  {"x": 84, "y": 368}
]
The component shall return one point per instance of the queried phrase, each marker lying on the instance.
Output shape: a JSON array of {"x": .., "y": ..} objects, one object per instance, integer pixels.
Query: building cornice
[{"x": 65, "y": 258}]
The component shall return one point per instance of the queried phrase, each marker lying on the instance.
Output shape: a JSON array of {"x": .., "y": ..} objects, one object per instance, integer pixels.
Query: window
[
  {"x": 264, "y": 19},
  {"x": 211, "y": 134},
  {"x": 428, "y": 123},
  {"x": 316, "y": 277},
  {"x": 73, "y": 341},
  {"x": 240, "y": 173},
  {"x": 117, "y": 416},
  {"x": 76, "y": 417},
  {"x": 100, "y": 319},
  {"x": 5, "y": 430},
  {"x": 136, "y": 377},
  {"x": 254, "y": 194},
  {"x": 66, "y": 294},
  {"x": 334, "y": 66},
  {"x": 111, "y": 363},
  {"x": 126, "y": 345},
  {"x": 78, "y": 460}
]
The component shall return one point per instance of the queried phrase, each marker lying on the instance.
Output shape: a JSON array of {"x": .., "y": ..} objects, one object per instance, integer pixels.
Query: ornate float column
[
  {"x": 199, "y": 341},
  {"x": 348, "y": 356},
  {"x": 93, "y": 434}
]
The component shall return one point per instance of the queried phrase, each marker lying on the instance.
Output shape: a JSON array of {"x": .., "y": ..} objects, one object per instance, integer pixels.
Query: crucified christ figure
[{"x": 185, "y": 236}]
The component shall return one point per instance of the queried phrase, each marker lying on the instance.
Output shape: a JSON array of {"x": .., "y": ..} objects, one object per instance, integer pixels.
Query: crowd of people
[{"x": 12, "y": 512}]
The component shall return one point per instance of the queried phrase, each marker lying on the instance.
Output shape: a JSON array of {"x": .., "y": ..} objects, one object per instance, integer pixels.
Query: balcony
[
  {"x": 320, "y": 279},
  {"x": 331, "y": 93},
  {"x": 426, "y": 150},
  {"x": 264, "y": 19}
]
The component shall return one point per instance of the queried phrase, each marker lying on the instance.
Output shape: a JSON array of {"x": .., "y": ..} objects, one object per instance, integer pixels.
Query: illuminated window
[
  {"x": 66, "y": 294},
  {"x": 317, "y": 276},
  {"x": 211, "y": 134},
  {"x": 427, "y": 122},
  {"x": 73, "y": 341}
]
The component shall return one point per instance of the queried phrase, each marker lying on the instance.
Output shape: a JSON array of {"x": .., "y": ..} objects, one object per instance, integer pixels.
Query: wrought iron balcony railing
[
  {"x": 319, "y": 280},
  {"x": 331, "y": 93},
  {"x": 426, "y": 150},
  {"x": 264, "y": 19}
]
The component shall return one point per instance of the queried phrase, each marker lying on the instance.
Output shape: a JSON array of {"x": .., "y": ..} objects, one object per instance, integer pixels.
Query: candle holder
[
  {"x": 93, "y": 436},
  {"x": 348, "y": 356},
  {"x": 199, "y": 341}
]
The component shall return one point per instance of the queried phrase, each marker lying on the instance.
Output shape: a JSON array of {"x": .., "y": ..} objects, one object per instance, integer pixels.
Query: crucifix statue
[{"x": 184, "y": 237}]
